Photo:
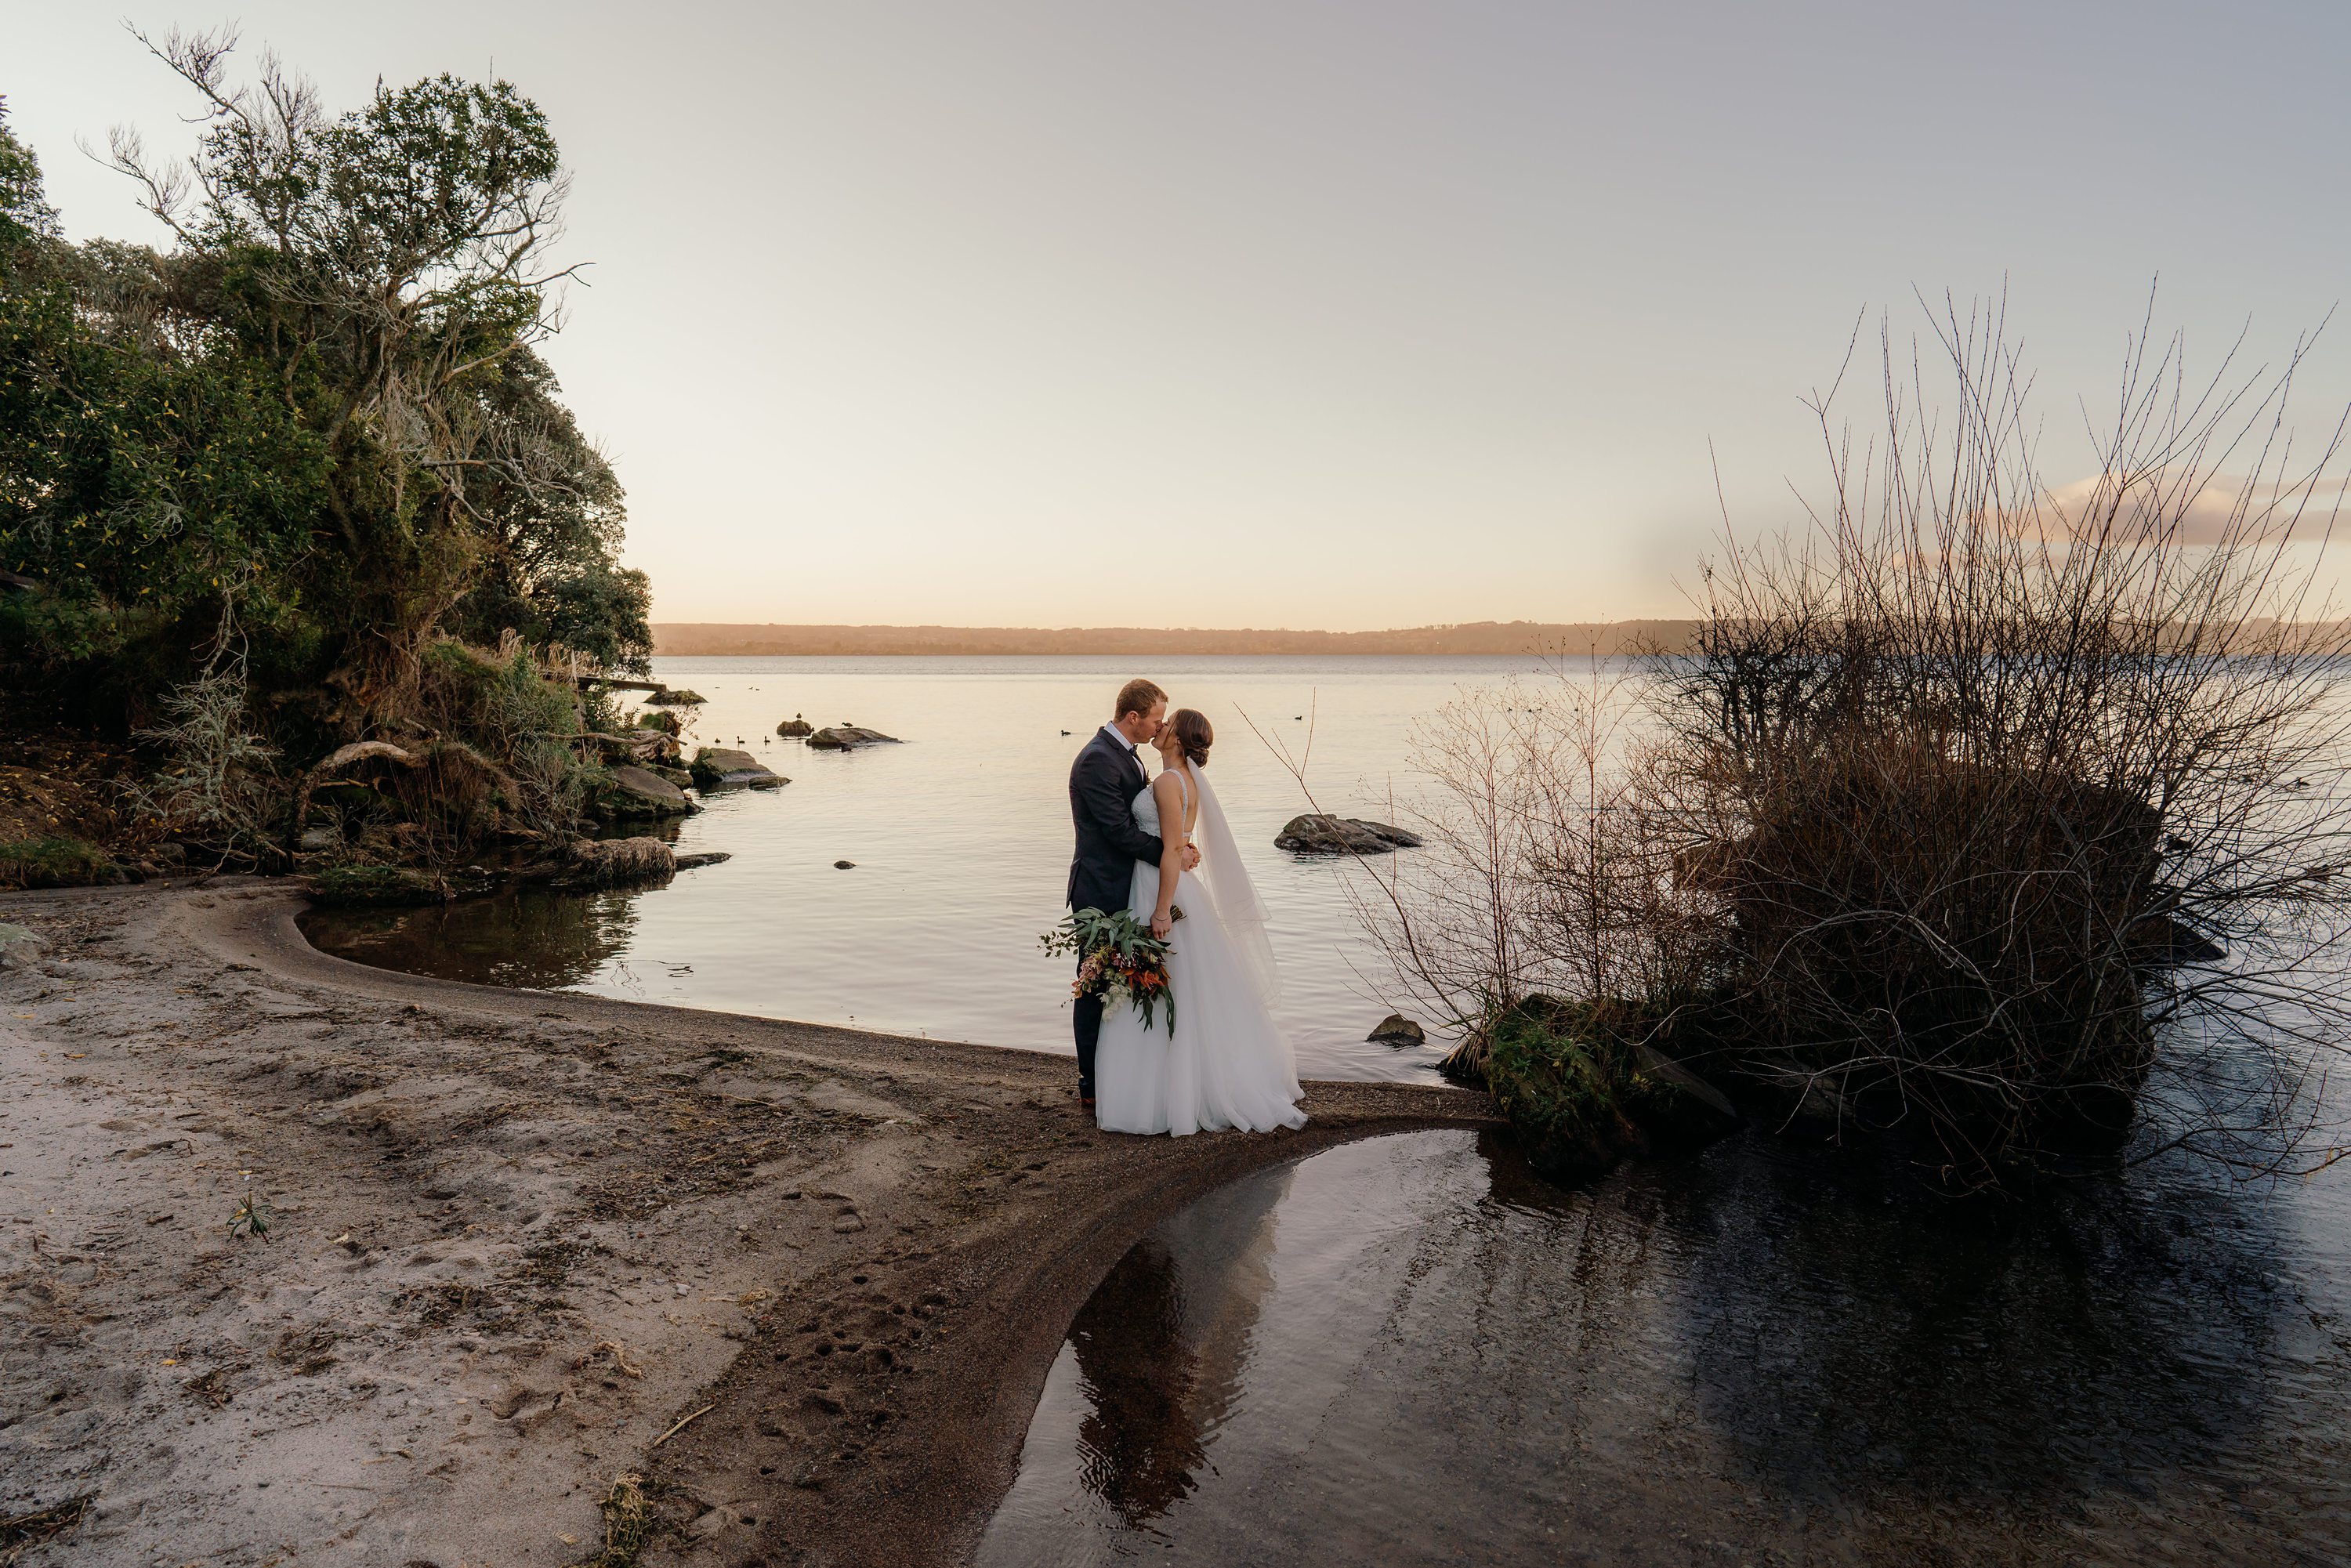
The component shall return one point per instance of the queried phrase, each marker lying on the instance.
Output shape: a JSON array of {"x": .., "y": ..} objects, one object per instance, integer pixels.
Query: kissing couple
[{"x": 1158, "y": 847}]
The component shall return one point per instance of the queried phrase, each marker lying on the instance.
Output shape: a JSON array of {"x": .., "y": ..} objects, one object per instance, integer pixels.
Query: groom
[{"x": 1103, "y": 782}]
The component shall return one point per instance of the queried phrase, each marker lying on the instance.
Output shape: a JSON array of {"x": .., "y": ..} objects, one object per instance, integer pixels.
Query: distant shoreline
[{"x": 1490, "y": 638}]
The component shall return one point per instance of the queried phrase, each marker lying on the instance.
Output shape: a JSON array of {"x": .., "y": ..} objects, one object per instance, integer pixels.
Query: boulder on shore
[
  {"x": 1397, "y": 1030},
  {"x": 1320, "y": 833},
  {"x": 20, "y": 948},
  {"x": 631, "y": 791},
  {"x": 795, "y": 728},
  {"x": 724, "y": 767},
  {"x": 847, "y": 738}
]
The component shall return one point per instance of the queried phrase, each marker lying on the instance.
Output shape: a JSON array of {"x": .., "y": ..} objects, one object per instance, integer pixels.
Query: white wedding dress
[{"x": 1224, "y": 1064}]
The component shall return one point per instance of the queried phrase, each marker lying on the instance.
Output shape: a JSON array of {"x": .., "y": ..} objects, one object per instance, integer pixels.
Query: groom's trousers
[{"x": 1087, "y": 1011}]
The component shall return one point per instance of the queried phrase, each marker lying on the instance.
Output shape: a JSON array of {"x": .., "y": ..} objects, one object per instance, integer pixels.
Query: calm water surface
[
  {"x": 961, "y": 839},
  {"x": 1409, "y": 1351}
]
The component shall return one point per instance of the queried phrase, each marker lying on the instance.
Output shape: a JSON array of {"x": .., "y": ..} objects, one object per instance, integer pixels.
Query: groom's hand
[{"x": 1191, "y": 857}]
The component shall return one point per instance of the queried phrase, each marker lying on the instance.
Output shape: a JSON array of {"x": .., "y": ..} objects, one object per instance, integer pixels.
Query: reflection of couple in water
[
  {"x": 1140, "y": 1443},
  {"x": 1161, "y": 1362}
]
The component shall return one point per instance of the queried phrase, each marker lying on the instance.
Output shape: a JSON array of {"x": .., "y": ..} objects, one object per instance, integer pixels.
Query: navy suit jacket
[{"x": 1104, "y": 783}]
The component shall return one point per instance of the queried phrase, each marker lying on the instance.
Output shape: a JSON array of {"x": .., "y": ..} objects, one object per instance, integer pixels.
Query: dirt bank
[{"x": 517, "y": 1236}]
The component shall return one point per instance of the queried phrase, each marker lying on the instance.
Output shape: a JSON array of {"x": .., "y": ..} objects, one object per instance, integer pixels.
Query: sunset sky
[{"x": 1338, "y": 315}]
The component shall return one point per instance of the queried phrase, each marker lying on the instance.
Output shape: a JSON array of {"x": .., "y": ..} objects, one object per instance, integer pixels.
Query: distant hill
[{"x": 1488, "y": 637}]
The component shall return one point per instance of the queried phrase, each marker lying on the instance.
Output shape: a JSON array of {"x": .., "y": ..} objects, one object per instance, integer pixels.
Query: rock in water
[
  {"x": 795, "y": 727},
  {"x": 705, "y": 857},
  {"x": 847, "y": 738},
  {"x": 1319, "y": 833},
  {"x": 724, "y": 767},
  {"x": 1397, "y": 1030},
  {"x": 634, "y": 792},
  {"x": 844, "y": 865}
]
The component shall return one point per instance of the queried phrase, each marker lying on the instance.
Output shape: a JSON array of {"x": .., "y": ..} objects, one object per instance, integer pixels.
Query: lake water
[
  {"x": 961, "y": 838},
  {"x": 1410, "y": 1351}
]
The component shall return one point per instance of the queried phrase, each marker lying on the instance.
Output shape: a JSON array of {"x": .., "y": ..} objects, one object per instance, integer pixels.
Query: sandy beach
[{"x": 513, "y": 1240}]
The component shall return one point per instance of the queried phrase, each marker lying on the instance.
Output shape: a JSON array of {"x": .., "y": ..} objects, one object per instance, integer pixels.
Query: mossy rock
[
  {"x": 628, "y": 792},
  {"x": 1582, "y": 1089},
  {"x": 56, "y": 863},
  {"x": 724, "y": 767}
]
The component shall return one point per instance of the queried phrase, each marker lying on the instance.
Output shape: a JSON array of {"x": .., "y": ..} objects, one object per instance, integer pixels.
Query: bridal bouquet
[{"x": 1120, "y": 960}]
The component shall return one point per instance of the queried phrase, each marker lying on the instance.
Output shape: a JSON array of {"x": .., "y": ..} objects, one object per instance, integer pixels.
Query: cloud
[{"x": 2220, "y": 506}]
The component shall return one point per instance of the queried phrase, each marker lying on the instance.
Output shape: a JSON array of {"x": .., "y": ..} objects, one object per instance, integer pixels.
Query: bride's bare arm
[{"x": 1170, "y": 797}]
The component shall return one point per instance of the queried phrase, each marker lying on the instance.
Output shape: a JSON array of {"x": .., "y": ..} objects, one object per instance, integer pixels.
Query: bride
[{"x": 1222, "y": 1063}]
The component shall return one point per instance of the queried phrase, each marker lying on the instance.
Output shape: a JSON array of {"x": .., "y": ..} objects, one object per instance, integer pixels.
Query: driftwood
[
  {"x": 641, "y": 746},
  {"x": 344, "y": 757}
]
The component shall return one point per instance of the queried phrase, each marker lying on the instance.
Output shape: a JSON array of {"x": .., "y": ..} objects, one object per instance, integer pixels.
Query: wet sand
[{"x": 518, "y": 1237}]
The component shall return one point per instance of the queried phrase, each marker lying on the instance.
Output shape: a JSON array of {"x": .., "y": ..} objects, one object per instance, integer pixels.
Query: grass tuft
[{"x": 56, "y": 863}]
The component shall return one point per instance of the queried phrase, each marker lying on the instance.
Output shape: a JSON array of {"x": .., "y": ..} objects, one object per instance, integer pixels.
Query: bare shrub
[
  {"x": 1538, "y": 876},
  {"x": 1986, "y": 773},
  {"x": 218, "y": 783}
]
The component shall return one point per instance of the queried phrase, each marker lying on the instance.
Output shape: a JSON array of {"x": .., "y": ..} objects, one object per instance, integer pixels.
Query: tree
[
  {"x": 318, "y": 428},
  {"x": 25, "y": 213},
  {"x": 255, "y": 482}
]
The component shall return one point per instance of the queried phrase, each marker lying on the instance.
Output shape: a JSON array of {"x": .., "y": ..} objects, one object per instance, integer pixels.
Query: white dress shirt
[{"x": 1112, "y": 730}]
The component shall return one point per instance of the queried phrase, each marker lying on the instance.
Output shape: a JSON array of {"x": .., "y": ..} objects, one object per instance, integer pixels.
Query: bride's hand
[
  {"x": 1162, "y": 923},
  {"x": 1191, "y": 857}
]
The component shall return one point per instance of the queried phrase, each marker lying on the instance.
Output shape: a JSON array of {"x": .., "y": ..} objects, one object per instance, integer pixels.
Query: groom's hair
[{"x": 1136, "y": 696}]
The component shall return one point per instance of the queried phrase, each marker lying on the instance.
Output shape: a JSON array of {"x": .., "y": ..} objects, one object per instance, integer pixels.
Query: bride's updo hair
[{"x": 1193, "y": 733}]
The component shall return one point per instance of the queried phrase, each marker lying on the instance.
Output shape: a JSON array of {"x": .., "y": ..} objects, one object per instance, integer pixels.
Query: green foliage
[
  {"x": 1118, "y": 959},
  {"x": 316, "y": 436},
  {"x": 550, "y": 525},
  {"x": 55, "y": 863},
  {"x": 505, "y": 708},
  {"x": 25, "y": 212},
  {"x": 145, "y": 485},
  {"x": 1561, "y": 1077},
  {"x": 254, "y": 1216}
]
